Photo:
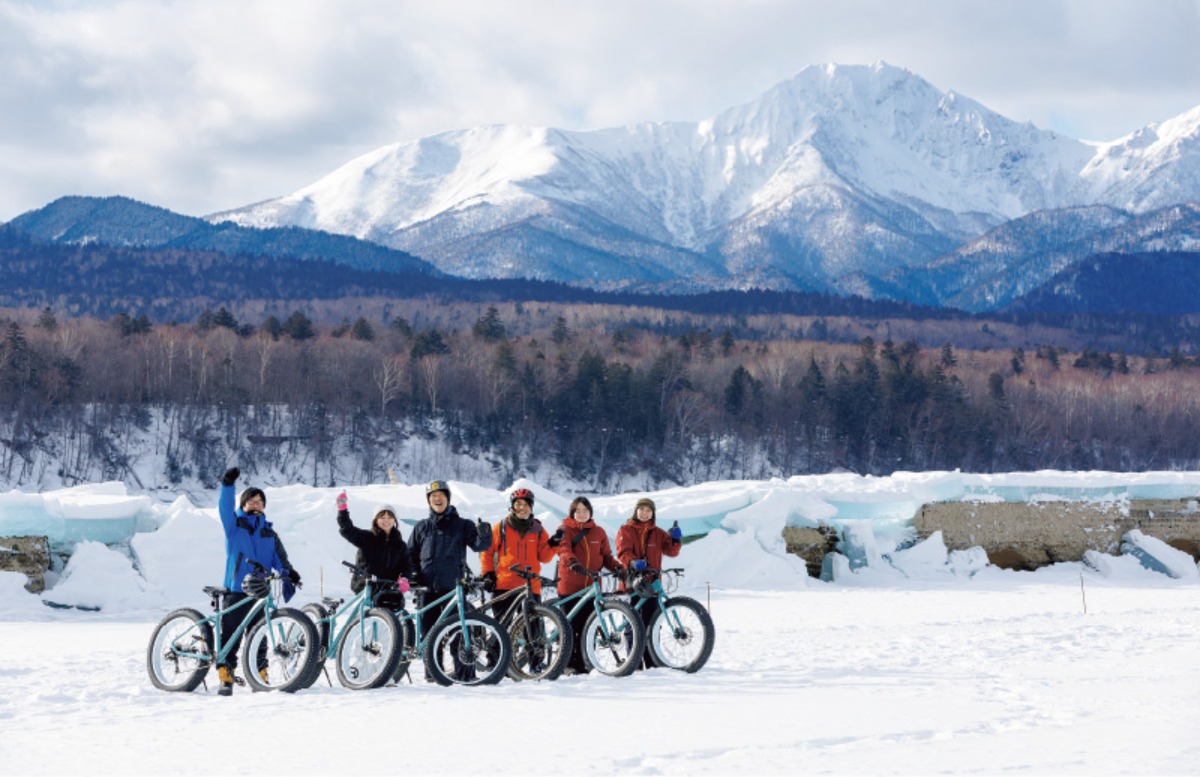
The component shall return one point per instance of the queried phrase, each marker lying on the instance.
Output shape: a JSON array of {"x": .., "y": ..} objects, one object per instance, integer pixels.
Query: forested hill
[{"x": 178, "y": 284}]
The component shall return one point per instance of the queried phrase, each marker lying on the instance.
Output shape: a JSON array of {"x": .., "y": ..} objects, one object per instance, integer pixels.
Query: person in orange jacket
[
  {"x": 583, "y": 548},
  {"x": 518, "y": 539},
  {"x": 641, "y": 546}
]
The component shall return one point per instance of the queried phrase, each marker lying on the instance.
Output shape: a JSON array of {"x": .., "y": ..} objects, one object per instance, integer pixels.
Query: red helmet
[{"x": 521, "y": 493}]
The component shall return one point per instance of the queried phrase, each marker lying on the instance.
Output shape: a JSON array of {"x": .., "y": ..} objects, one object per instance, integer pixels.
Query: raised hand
[
  {"x": 341, "y": 502},
  {"x": 230, "y": 477}
]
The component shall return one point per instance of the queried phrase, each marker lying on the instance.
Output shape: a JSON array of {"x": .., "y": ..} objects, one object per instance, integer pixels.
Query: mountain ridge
[{"x": 840, "y": 171}]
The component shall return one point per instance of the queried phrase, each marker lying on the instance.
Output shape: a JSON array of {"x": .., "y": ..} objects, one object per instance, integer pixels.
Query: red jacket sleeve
[
  {"x": 626, "y": 543},
  {"x": 544, "y": 552},
  {"x": 670, "y": 547}
]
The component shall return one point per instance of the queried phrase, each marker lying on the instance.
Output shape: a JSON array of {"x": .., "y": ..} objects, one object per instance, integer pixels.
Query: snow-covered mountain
[{"x": 842, "y": 172}]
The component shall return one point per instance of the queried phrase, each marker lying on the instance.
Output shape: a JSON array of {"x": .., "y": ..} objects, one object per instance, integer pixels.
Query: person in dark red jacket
[
  {"x": 381, "y": 550},
  {"x": 583, "y": 548},
  {"x": 641, "y": 546}
]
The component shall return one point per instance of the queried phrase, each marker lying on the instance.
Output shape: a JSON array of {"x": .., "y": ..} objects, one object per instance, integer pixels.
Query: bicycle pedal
[{"x": 237, "y": 680}]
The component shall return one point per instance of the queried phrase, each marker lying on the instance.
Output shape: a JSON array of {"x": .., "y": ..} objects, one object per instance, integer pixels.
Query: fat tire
[
  {"x": 554, "y": 648},
  {"x": 687, "y": 652},
  {"x": 617, "y": 657},
  {"x": 360, "y": 668},
  {"x": 408, "y": 633},
  {"x": 485, "y": 635},
  {"x": 169, "y": 673},
  {"x": 317, "y": 614},
  {"x": 296, "y": 658}
]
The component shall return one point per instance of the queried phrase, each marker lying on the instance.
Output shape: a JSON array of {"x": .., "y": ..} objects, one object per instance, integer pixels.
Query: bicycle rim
[
  {"x": 180, "y": 651},
  {"x": 613, "y": 640},
  {"x": 541, "y": 645},
  {"x": 474, "y": 654},
  {"x": 278, "y": 656},
  {"x": 367, "y": 653},
  {"x": 680, "y": 636}
]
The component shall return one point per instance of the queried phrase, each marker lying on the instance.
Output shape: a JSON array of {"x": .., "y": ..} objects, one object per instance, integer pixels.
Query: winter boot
[{"x": 225, "y": 675}]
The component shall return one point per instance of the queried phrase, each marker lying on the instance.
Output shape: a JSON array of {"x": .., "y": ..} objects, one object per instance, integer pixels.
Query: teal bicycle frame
[
  {"x": 462, "y": 635},
  {"x": 459, "y": 608},
  {"x": 681, "y": 634},
  {"x": 334, "y": 618},
  {"x": 613, "y": 638},
  {"x": 594, "y": 595},
  {"x": 186, "y": 643}
]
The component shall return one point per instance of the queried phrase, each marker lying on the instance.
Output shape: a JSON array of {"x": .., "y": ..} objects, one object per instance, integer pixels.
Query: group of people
[{"x": 435, "y": 553}]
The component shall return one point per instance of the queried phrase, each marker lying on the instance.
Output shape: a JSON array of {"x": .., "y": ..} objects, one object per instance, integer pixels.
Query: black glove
[
  {"x": 489, "y": 581},
  {"x": 294, "y": 576},
  {"x": 484, "y": 529},
  {"x": 556, "y": 538},
  {"x": 577, "y": 568},
  {"x": 230, "y": 476}
]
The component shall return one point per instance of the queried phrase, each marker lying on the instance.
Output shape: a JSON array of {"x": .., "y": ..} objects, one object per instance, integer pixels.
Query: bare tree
[
  {"x": 431, "y": 373},
  {"x": 388, "y": 377},
  {"x": 264, "y": 347}
]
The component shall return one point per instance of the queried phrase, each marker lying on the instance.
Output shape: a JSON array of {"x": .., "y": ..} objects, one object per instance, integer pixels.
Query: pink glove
[
  {"x": 402, "y": 584},
  {"x": 341, "y": 501}
]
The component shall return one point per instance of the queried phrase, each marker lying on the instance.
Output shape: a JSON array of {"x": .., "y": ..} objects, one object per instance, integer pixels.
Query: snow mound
[
  {"x": 1158, "y": 556},
  {"x": 101, "y": 578}
]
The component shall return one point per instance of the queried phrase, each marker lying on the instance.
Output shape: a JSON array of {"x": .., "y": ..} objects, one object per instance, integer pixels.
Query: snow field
[{"x": 1010, "y": 677}]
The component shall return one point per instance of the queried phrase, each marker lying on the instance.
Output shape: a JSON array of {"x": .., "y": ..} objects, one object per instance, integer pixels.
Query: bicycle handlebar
[
  {"x": 375, "y": 580},
  {"x": 526, "y": 572}
]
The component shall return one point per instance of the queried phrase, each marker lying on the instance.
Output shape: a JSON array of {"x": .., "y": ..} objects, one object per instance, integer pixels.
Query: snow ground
[
  {"x": 918, "y": 661},
  {"x": 1007, "y": 676}
]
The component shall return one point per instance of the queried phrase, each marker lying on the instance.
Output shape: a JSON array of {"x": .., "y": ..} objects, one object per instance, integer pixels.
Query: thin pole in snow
[
  {"x": 708, "y": 596},
  {"x": 1083, "y": 593}
]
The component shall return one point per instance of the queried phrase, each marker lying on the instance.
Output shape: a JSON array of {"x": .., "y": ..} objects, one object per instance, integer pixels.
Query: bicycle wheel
[
  {"x": 613, "y": 639},
  {"x": 406, "y": 651},
  {"x": 281, "y": 657},
  {"x": 475, "y": 655},
  {"x": 319, "y": 617},
  {"x": 369, "y": 649},
  {"x": 320, "y": 621},
  {"x": 180, "y": 651},
  {"x": 541, "y": 644},
  {"x": 681, "y": 636}
]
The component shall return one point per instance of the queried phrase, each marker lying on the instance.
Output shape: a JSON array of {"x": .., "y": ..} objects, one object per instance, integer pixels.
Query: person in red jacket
[
  {"x": 641, "y": 546},
  {"x": 518, "y": 539},
  {"x": 583, "y": 548}
]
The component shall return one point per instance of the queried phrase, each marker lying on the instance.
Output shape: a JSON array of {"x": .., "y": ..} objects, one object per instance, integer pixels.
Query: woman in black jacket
[{"x": 382, "y": 550}]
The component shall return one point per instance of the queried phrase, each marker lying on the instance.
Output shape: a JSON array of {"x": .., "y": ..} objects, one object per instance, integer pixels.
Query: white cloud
[{"x": 203, "y": 106}]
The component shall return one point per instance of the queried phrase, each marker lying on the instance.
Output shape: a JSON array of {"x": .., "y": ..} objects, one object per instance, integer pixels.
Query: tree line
[{"x": 601, "y": 394}]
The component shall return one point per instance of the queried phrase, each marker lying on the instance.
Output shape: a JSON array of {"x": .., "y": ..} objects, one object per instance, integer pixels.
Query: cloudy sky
[{"x": 203, "y": 106}]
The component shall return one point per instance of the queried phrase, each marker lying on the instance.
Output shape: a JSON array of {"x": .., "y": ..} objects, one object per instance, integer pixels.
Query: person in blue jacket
[
  {"x": 438, "y": 548},
  {"x": 249, "y": 540}
]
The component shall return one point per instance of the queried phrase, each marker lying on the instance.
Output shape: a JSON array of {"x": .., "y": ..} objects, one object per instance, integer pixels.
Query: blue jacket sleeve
[{"x": 226, "y": 509}]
